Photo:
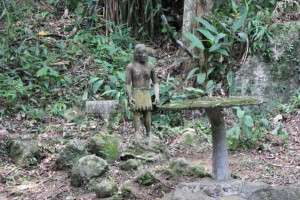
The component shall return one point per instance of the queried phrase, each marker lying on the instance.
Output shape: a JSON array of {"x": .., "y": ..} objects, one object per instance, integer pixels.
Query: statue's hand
[
  {"x": 131, "y": 101},
  {"x": 156, "y": 101}
]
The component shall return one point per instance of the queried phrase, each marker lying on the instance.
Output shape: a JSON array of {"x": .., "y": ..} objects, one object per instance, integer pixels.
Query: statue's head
[{"x": 140, "y": 53}]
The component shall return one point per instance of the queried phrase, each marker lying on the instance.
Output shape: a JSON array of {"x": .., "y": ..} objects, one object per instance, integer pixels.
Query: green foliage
[
  {"x": 235, "y": 29},
  {"x": 44, "y": 76},
  {"x": 146, "y": 179},
  {"x": 248, "y": 131}
]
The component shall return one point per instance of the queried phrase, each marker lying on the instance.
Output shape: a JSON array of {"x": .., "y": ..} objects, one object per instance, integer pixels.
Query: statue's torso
[{"x": 141, "y": 75}]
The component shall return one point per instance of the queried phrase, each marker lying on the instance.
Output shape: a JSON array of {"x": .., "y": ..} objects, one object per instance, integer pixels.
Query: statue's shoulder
[{"x": 129, "y": 66}]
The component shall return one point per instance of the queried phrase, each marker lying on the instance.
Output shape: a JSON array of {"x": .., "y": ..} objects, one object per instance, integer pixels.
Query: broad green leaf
[
  {"x": 195, "y": 41},
  {"x": 234, "y": 6},
  {"x": 207, "y": 25},
  {"x": 210, "y": 83},
  {"x": 121, "y": 75},
  {"x": 192, "y": 89},
  {"x": 108, "y": 92},
  {"x": 43, "y": 71},
  {"x": 277, "y": 128},
  {"x": 219, "y": 36},
  {"x": 207, "y": 34},
  {"x": 247, "y": 119},
  {"x": 223, "y": 52},
  {"x": 3, "y": 13},
  {"x": 210, "y": 70},
  {"x": 230, "y": 131},
  {"x": 247, "y": 130},
  {"x": 201, "y": 78},
  {"x": 236, "y": 108},
  {"x": 265, "y": 122},
  {"x": 243, "y": 36},
  {"x": 237, "y": 130},
  {"x": 97, "y": 85},
  {"x": 113, "y": 78},
  {"x": 54, "y": 72},
  {"x": 240, "y": 114},
  {"x": 241, "y": 18},
  {"x": 191, "y": 73},
  {"x": 92, "y": 80},
  {"x": 215, "y": 47}
]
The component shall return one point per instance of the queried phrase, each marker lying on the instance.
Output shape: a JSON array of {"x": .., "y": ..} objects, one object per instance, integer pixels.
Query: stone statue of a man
[{"x": 138, "y": 75}]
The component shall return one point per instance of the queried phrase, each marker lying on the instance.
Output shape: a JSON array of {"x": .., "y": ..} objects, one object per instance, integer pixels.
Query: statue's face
[{"x": 141, "y": 54}]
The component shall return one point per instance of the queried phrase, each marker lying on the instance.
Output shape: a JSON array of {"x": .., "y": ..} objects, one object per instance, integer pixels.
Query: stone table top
[{"x": 211, "y": 102}]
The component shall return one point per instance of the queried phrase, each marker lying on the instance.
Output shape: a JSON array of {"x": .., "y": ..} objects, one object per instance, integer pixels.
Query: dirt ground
[{"x": 278, "y": 163}]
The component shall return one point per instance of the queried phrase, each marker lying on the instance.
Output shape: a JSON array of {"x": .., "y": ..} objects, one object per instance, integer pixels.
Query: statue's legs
[
  {"x": 147, "y": 122},
  {"x": 137, "y": 125}
]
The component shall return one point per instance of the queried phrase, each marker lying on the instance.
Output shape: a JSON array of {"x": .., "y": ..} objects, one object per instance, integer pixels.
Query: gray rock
[
  {"x": 146, "y": 179},
  {"x": 106, "y": 146},
  {"x": 232, "y": 190},
  {"x": 74, "y": 114},
  {"x": 275, "y": 193},
  {"x": 130, "y": 164},
  {"x": 181, "y": 166},
  {"x": 273, "y": 79},
  {"x": 86, "y": 169},
  {"x": 95, "y": 145},
  {"x": 106, "y": 188},
  {"x": 148, "y": 150},
  {"x": 71, "y": 153},
  {"x": 24, "y": 152},
  {"x": 188, "y": 138}
]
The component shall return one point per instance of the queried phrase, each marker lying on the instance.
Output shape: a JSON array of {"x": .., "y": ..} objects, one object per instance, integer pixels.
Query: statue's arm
[
  {"x": 128, "y": 75},
  {"x": 155, "y": 85}
]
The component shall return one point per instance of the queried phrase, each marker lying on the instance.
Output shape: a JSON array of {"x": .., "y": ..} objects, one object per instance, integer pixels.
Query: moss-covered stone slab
[{"x": 211, "y": 102}]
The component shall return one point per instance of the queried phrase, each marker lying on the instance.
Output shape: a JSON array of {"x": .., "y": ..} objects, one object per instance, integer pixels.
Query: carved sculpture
[{"x": 139, "y": 74}]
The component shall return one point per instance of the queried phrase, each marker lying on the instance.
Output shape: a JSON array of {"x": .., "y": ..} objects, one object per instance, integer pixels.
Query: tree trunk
[{"x": 192, "y": 9}]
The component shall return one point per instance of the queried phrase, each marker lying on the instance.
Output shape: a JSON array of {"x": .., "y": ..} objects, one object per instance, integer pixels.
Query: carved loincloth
[{"x": 142, "y": 100}]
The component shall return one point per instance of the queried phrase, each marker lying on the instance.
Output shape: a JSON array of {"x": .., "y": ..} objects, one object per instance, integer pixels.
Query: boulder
[
  {"x": 105, "y": 146},
  {"x": 70, "y": 154},
  {"x": 182, "y": 167},
  {"x": 74, "y": 114},
  {"x": 106, "y": 188},
  {"x": 25, "y": 152},
  {"x": 86, "y": 169},
  {"x": 207, "y": 189},
  {"x": 146, "y": 179},
  {"x": 130, "y": 164},
  {"x": 148, "y": 150},
  {"x": 188, "y": 138}
]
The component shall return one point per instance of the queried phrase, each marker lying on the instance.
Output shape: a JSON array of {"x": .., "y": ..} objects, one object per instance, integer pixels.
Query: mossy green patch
[
  {"x": 146, "y": 179},
  {"x": 211, "y": 102}
]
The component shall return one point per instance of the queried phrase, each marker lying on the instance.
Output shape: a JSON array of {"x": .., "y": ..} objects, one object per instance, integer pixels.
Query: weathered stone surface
[
  {"x": 146, "y": 179},
  {"x": 234, "y": 190},
  {"x": 188, "y": 138},
  {"x": 130, "y": 164},
  {"x": 71, "y": 153},
  {"x": 74, "y": 114},
  {"x": 95, "y": 145},
  {"x": 211, "y": 102},
  {"x": 105, "y": 146},
  {"x": 275, "y": 78},
  {"x": 149, "y": 150},
  {"x": 182, "y": 167},
  {"x": 86, "y": 169},
  {"x": 103, "y": 107},
  {"x": 106, "y": 188},
  {"x": 275, "y": 193},
  {"x": 24, "y": 152}
]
